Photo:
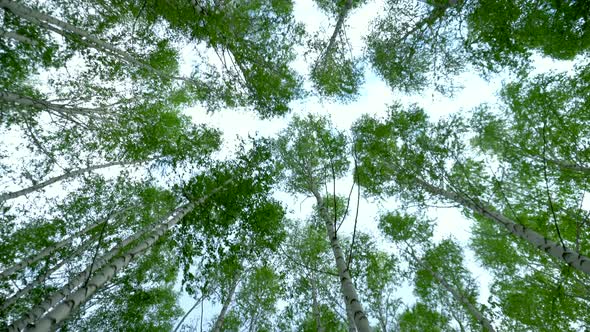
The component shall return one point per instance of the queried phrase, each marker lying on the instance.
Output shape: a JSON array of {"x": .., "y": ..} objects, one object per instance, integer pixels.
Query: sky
[{"x": 374, "y": 98}]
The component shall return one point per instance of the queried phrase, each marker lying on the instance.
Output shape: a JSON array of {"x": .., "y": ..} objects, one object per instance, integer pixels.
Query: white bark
[
  {"x": 18, "y": 37},
  {"x": 105, "y": 272},
  {"x": 51, "y": 249},
  {"x": 197, "y": 302},
  {"x": 11, "y": 97},
  {"x": 226, "y": 303},
  {"x": 38, "y": 310},
  {"x": 351, "y": 297},
  {"x": 68, "y": 175},
  {"x": 350, "y": 320},
  {"x": 63, "y": 310},
  {"x": 571, "y": 257},
  {"x": 41, "y": 278}
]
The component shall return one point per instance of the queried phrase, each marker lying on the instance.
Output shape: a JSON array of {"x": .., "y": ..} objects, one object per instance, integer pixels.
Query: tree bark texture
[
  {"x": 573, "y": 258},
  {"x": 350, "y": 320},
  {"x": 42, "y": 277},
  {"x": 351, "y": 297},
  {"x": 51, "y": 249},
  {"x": 11, "y": 97},
  {"x": 105, "y": 271},
  {"x": 63, "y": 310},
  {"x": 226, "y": 303},
  {"x": 38, "y": 310}
]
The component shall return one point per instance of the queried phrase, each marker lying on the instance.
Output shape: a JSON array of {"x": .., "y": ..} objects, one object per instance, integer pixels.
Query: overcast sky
[{"x": 374, "y": 99}]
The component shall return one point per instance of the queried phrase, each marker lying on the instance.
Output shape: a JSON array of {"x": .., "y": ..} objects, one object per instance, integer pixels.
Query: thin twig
[
  {"x": 303, "y": 265},
  {"x": 356, "y": 217},
  {"x": 347, "y": 206},
  {"x": 547, "y": 186},
  {"x": 199, "y": 300}
]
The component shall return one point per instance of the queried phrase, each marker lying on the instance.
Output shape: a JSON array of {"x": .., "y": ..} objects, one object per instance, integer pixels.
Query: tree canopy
[{"x": 127, "y": 204}]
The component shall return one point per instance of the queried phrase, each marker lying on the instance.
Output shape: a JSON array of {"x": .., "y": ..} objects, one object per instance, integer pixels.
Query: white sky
[{"x": 374, "y": 99}]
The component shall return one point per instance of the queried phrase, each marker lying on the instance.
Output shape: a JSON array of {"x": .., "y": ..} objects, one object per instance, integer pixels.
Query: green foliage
[
  {"x": 337, "y": 77},
  {"x": 506, "y": 32},
  {"x": 131, "y": 304},
  {"x": 336, "y": 7},
  {"x": 421, "y": 318},
  {"x": 414, "y": 46},
  {"x": 378, "y": 278},
  {"x": 258, "y": 296},
  {"x": 26, "y": 49},
  {"x": 311, "y": 153},
  {"x": 95, "y": 82},
  {"x": 240, "y": 226},
  {"x": 424, "y": 44},
  {"x": 405, "y": 227},
  {"x": 259, "y": 44},
  {"x": 538, "y": 301},
  {"x": 310, "y": 275},
  {"x": 329, "y": 321}
]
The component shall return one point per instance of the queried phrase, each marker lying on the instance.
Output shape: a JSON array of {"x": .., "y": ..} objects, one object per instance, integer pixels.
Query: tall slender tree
[
  {"x": 418, "y": 159},
  {"x": 312, "y": 155}
]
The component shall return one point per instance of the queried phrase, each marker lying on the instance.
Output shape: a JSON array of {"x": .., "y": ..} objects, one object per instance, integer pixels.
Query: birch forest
[{"x": 295, "y": 165}]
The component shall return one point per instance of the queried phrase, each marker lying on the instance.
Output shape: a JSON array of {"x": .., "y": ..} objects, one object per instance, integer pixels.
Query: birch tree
[
  {"x": 311, "y": 155},
  {"x": 142, "y": 296},
  {"x": 167, "y": 138},
  {"x": 378, "y": 278},
  {"x": 423, "y": 44},
  {"x": 440, "y": 277},
  {"x": 148, "y": 205},
  {"x": 422, "y": 171},
  {"x": 105, "y": 271},
  {"x": 97, "y": 210},
  {"x": 334, "y": 71},
  {"x": 313, "y": 296},
  {"x": 437, "y": 165}
]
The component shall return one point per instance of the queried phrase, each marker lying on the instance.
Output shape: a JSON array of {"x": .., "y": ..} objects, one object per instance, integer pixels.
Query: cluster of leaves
[{"x": 90, "y": 85}]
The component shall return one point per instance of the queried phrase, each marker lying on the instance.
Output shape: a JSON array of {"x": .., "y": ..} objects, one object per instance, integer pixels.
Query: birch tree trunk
[
  {"x": 573, "y": 258},
  {"x": 68, "y": 175},
  {"x": 18, "y": 37},
  {"x": 63, "y": 310},
  {"x": 350, "y": 320},
  {"x": 38, "y": 310},
  {"x": 199, "y": 301},
  {"x": 64, "y": 29},
  {"x": 105, "y": 272},
  {"x": 226, "y": 303},
  {"x": 41, "y": 278},
  {"x": 11, "y": 97},
  {"x": 51, "y": 249},
  {"x": 351, "y": 298},
  {"x": 337, "y": 29},
  {"x": 457, "y": 294}
]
